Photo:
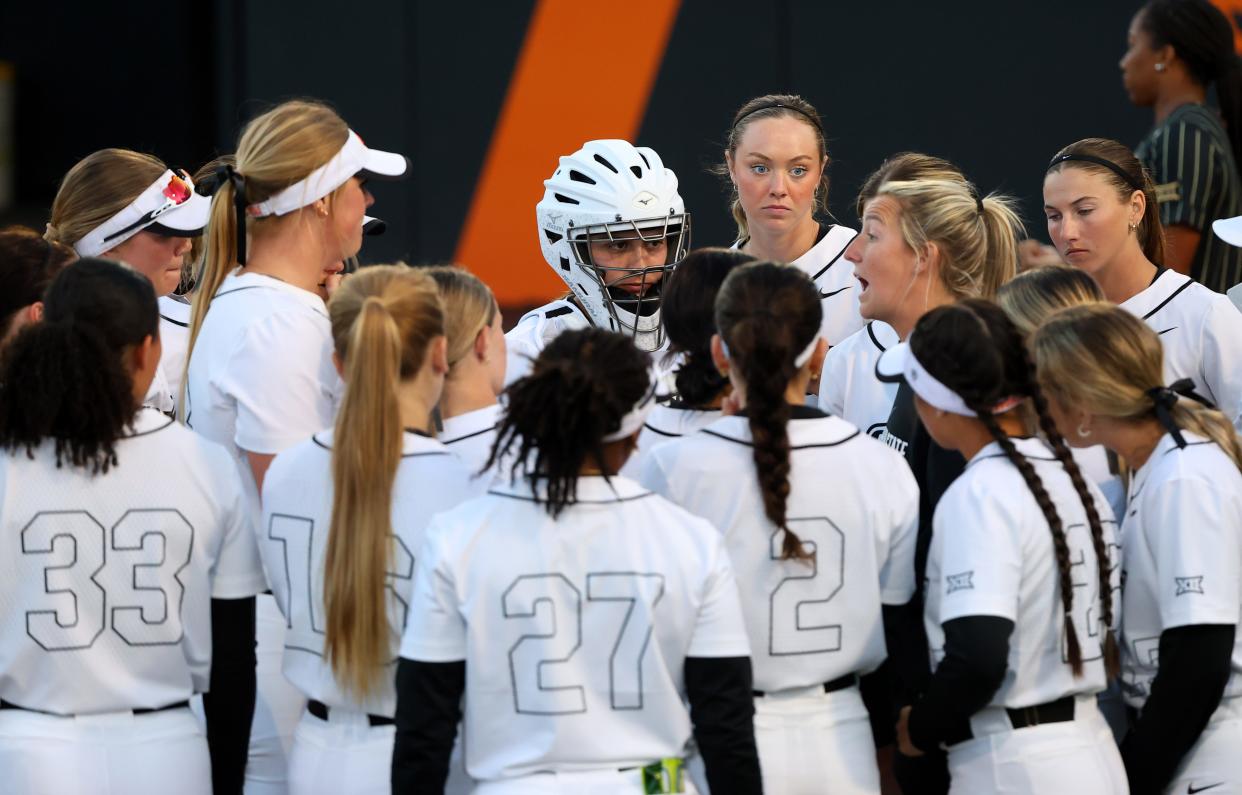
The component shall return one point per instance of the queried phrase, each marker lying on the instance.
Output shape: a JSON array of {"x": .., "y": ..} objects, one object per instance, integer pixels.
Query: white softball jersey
[
  {"x": 574, "y": 631},
  {"x": 106, "y": 580},
  {"x": 534, "y": 330},
  {"x": 1201, "y": 332},
  {"x": 992, "y": 554},
  {"x": 470, "y": 436},
  {"x": 816, "y": 621},
  {"x": 293, "y": 540},
  {"x": 848, "y": 387},
  {"x": 666, "y": 421},
  {"x": 174, "y": 339},
  {"x": 1181, "y": 545}
]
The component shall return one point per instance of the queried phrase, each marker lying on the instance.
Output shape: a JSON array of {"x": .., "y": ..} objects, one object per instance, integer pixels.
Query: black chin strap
[{"x": 1165, "y": 399}]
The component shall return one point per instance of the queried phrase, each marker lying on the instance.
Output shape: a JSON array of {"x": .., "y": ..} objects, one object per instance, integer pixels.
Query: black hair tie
[
  {"x": 1165, "y": 399},
  {"x": 208, "y": 187},
  {"x": 1099, "y": 161},
  {"x": 772, "y": 105}
]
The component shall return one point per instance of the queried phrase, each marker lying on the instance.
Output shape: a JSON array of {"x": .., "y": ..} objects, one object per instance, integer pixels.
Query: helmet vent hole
[
  {"x": 552, "y": 237},
  {"x": 578, "y": 176},
  {"x": 564, "y": 263},
  {"x": 638, "y": 172},
  {"x": 645, "y": 160},
  {"x": 606, "y": 164},
  {"x": 565, "y": 199}
]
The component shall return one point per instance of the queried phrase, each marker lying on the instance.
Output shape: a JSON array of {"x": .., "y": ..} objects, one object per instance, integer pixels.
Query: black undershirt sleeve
[
  {"x": 1195, "y": 665},
  {"x": 722, "y": 709},
  {"x": 229, "y": 703},
  {"x": 428, "y": 711},
  {"x": 976, "y": 656}
]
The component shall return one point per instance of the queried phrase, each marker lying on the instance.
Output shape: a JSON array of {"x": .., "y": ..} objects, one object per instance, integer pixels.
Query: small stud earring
[
  {"x": 1133, "y": 226},
  {"x": 1159, "y": 67}
]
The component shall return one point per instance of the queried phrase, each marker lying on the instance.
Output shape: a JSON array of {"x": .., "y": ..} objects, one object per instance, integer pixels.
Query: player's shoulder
[
  {"x": 174, "y": 309},
  {"x": 828, "y": 254},
  {"x": 1201, "y": 462},
  {"x": 863, "y": 346},
  {"x": 541, "y": 324},
  {"x": 295, "y": 463}
]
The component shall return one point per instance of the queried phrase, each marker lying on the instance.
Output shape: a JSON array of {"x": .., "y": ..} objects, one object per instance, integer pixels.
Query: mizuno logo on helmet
[{"x": 643, "y": 199}]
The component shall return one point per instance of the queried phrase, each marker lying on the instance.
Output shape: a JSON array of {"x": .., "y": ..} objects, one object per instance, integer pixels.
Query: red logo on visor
[{"x": 177, "y": 190}]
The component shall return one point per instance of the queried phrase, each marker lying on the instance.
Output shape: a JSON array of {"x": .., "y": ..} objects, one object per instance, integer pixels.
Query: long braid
[
  {"x": 1103, "y": 560},
  {"x": 1059, "y": 543}
]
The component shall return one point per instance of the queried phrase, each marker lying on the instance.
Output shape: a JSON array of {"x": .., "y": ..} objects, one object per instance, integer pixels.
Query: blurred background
[{"x": 483, "y": 96}]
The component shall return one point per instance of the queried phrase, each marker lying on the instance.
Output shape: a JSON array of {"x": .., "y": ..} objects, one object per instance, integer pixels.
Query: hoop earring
[{"x": 1083, "y": 431}]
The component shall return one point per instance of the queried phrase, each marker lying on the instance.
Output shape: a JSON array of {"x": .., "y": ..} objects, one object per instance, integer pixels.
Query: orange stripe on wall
[{"x": 582, "y": 74}]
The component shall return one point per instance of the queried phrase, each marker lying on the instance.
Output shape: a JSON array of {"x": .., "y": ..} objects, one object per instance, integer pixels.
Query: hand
[
  {"x": 903, "y": 734},
  {"x": 1034, "y": 254}
]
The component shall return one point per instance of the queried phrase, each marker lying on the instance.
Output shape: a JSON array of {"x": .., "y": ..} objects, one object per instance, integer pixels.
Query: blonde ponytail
[
  {"x": 1210, "y": 424},
  {"x": 384, "y": 319}
]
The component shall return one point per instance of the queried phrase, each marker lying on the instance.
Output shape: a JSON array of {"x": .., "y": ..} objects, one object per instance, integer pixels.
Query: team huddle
[{"x": 824, "y": 510}]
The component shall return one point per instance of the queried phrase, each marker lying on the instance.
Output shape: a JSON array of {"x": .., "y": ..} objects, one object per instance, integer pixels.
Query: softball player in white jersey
[
  {"x": 1019, "y": 603},
  {"x": 689, "y": 315},
  {"x": 848, "y": 387},
  {"x": 611, "y": 225},
  {"x": 814, "y": 564},
  {"x": 1103, "y": 217},
  {"x": 260, "y": 375},
  {"x": 469, "y": 409},
  {"x": 614, "y": 606},
  {"x": 1181, "y": 545},
  {"x": 129, "y": 566},
  {"x": 175, "y": 339},
  {"x": 323, "y": 511}
]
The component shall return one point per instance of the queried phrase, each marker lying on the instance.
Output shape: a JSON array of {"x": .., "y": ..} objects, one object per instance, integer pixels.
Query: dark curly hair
[
  {"x": 580, "y": 388},
  {"x": 974, "y": 349},
  {"x": 65, "y": 378},
  {"x": 28, "y": 263},
  {"x": 767, "y": 313}
]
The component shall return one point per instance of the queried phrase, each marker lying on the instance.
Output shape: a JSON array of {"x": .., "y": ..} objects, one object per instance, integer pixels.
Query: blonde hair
[
  {"x": 1100, "y": 358},
  {"x": 384, "y": 320},
  {"x": 275, "y": 150},
  {"x": 905, "y": 167},
  {"x": 1030, "y": 297},
  {"x": 469, "y": 307},
  {"x": 977, "y": 238},
  {"x": 98, "y": 187}
]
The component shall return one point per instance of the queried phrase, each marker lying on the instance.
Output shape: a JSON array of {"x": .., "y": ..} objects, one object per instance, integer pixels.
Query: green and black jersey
[{"x": 1197, "y": 181}]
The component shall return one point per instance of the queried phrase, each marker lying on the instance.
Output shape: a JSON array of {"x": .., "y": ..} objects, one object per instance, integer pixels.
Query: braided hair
[
  {"x": 975, "y": 350},
  {"x": 767, "y": 314},
  {"x": 580, "y": 388}
]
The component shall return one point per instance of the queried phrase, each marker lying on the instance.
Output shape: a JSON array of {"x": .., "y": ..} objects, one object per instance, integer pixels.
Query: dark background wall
[{"x": 995, "y": 87}]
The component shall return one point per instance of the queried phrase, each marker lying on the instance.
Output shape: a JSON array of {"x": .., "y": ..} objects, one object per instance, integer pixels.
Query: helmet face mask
[{"x": 613, "y": 228}]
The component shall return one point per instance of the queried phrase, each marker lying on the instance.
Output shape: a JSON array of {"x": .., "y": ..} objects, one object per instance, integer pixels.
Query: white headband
[
  {"x": 799, "y": 360},
  {"x": 354, "y": 157},
  {"x": 632, "y": 422},
  {"x": 170, "y": 201},
  {"x": 899, "y": 363}
]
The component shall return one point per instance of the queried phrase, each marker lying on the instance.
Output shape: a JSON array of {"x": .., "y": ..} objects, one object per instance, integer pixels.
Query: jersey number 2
[
  {"x": 148, "y": 547},
  {"x": 796, "y": 625}
]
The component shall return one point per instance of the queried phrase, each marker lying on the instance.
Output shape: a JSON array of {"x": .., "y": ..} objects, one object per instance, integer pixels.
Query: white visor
[
  {"x": 170, "y": 203},
  {"x": 373, "y": 226},
  {"x": 799, "y": 361},
  {"x": 1229, "y": 230},
  {"x": 898, "y": 363},
  {"x": 354, "y": 158},
  {"x": 632, "y": 422}
]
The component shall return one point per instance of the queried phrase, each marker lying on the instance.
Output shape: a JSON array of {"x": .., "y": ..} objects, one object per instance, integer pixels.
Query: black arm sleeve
[
  {"x": 428, "y": 711},
  {"x": 229, "y": 703},
  {"x": 1195, "y": 664},
  {"x": 976, "y": 656},
  {"x": 722, "y": 709}
]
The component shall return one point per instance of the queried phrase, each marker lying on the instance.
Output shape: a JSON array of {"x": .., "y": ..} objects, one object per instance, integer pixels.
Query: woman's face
[
  {"x": 155, "y": 256},
  {"x": 348, "y": 207},
  {"x": 884, "y": 263},
  {"x": 776, "y": 168},
  {"x": 1087, "y": 221},
  {"x": 1138, "y": 65}
]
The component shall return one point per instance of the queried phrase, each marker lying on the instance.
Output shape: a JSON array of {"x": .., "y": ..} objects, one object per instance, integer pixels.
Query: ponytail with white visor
[
  {"x": 799, "y": 360},
  {"x": 899, "y": 363},
  {"x": 633, "y": 421},
  {"x": 168, "y": 206}
]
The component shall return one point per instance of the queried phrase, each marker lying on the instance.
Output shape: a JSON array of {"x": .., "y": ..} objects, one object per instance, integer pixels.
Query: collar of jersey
[
  {"x": 148, "y": 420},
  {"x": 593, "y": 489},
  {"x": 237, "y": 281},
  {"x": 470, "y": 423},
  {"x": 175, "y": 309},
  {"x": 411, "y": 443},
  {"x": 1151, "y": 297},
  {"x": 805, "y": 429},
  {"x": 1160, "y": 456},
  {"x": 1028, "y": 447}
]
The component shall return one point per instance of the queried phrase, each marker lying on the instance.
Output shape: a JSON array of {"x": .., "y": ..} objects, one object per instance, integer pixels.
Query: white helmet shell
[{"x": 612, "y": 191}]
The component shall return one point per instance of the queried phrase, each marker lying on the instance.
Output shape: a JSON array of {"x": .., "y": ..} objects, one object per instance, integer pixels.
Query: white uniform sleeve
[
  {"x": 897, "y": 569},
  {"x": 720, "y": 630},
  {"x": 1221, "y": 343},
  {"x": 981, "y": 562},
  {"x": 435, "y": 630},
  {"x": 238, "y": 571},
  {"x": 275, "y": 375},
  {"x": 1196, "y": 553},
  {"x": 652, "y": 475},
  {"x": 832, "y": 381}
]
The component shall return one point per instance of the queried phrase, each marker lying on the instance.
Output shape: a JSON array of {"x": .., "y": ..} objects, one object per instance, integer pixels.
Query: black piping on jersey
[
  {"x": 1165, "y": 302},
  {"x": 136, "y": 434},
  {"x": 425, "y": 454},
  {"x": 654, "y": 429},
  {"x": 824, "y": 233},
  {"x": 792, "y": 447},
  {"x": 174, "y": 322},
  {"x": 1054, "y": 459},
  {"x": 874, "y": 338},
  {"x": 469, "y": 435},
  {"x": 257, "y": 287},
  {"x": 618, "y": 498}
]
